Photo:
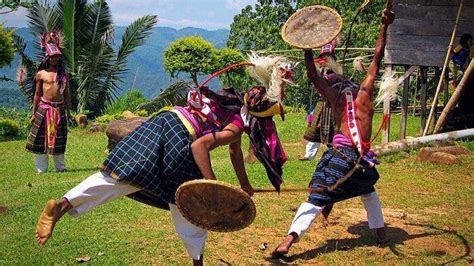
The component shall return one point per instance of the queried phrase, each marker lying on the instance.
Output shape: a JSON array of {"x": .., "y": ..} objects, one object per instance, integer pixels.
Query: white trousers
[
  {"x": 311, "y": 150},
  {"x": 41, "y": 163},
  {"x": 307, "y": 212},
  {"x": 100, "y": 188}
]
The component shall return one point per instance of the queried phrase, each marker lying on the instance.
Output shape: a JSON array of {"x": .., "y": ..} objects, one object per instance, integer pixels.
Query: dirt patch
[
  {"x": 3, "y": 210},
  {"x": 346, "y": 231}
]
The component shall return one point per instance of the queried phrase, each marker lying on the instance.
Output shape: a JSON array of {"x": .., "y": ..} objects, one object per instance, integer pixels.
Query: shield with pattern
[{"x": 215, "y": 205}]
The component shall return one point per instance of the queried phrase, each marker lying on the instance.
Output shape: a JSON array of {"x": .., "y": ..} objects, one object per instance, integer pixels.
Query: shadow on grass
[
  {"x": 72, "y": 170},
  {"x": 396, "y": 235}
]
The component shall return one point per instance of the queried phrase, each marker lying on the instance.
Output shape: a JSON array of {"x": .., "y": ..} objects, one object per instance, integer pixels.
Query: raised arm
[
  {"x": 318, "y": 82},
  {"x": 367, "y": 85}
]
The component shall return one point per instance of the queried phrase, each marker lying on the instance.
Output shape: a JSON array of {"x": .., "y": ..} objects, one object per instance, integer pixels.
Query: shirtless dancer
[
  {"x": 353, "y": 112},
  {"x": 48, "y": 133}
]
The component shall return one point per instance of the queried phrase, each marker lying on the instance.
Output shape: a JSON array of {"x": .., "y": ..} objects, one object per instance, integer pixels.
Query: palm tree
[
  {"x": 95, "y": 68},
  {"x": 175, "y": 94}
]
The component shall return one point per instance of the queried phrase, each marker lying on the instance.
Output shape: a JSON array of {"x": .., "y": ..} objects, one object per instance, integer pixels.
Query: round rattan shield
[
  {"x": 312, "y": 27},
  {"x": 215, "y": 205}
]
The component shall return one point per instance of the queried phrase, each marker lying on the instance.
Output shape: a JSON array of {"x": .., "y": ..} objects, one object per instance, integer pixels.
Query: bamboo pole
[
  {"x": 441, "y": 79},
  {"x": 411, "y": 143},
  {"x": 468, "y": 74}
]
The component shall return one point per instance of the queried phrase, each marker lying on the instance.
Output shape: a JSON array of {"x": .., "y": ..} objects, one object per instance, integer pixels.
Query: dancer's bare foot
[
  {"x": 284, "y": 246},
  {"x": 52, "y": 212}
]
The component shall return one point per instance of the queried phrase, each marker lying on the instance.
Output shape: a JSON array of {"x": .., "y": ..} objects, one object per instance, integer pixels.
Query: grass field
[{"x": 428, "y": 210}]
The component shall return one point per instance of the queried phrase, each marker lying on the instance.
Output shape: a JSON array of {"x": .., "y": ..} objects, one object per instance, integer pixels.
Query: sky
[{"x": 206, "y": 14}]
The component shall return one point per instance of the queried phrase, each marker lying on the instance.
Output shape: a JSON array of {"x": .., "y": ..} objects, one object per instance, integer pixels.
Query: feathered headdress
[
  {"x": 273, "y": 72},
  {"x": 50, "y": 43}
]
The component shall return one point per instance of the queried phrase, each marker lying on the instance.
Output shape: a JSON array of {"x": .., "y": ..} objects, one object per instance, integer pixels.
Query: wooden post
[
  {"x": 403, "y": 122},
  {"x": 446, "y": 89},
  {"x": 446, "y": 60},
  {"x": 454, "y": 99},
  {"x": 417, "y": 86},
  {"x": 423, "y": 87},
  {"x": 386, "y": 111}
]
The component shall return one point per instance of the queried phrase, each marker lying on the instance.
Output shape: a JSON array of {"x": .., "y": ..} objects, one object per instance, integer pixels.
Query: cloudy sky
[{"x": 207, "y": 14}]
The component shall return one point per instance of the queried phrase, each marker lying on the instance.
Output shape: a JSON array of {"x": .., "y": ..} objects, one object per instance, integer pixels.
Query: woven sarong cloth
[
  {"x": 320, "y": 130},
  {"x": 36, "y": 137},
  {"x": 156, "y": 157},
  {"x": 334, "y": 164}
]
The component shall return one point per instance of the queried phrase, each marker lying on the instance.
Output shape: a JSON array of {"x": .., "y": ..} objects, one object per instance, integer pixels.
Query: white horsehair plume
[
  {"x": 358, "y": 64},
  {"x": 388, "y": 88},
  {"x": 266, "y": 71},
  {"x": 334, "y": 65}
]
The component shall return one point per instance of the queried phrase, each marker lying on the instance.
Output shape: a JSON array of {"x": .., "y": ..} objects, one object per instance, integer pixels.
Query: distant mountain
[{"x": 146, "y": 62}]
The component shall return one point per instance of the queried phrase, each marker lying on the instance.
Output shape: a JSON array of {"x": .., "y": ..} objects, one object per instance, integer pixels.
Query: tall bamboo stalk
[
  {"x": 454, "y": 99},
  {"x": 443, "y": 72}
]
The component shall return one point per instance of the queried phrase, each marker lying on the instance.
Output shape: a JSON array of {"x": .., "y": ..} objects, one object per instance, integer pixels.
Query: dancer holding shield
[{"x": 347, "y": 169}]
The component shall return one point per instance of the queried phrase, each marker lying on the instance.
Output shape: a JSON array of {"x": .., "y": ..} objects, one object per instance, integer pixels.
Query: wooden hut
[{"x": 419, "y": 40}]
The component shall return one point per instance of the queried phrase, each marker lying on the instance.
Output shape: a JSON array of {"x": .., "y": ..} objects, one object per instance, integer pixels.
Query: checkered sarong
[
  {"x": 333, "y": 165},
  {"x": 36, "y": 137},
  {"x": 156, "y": 157}
]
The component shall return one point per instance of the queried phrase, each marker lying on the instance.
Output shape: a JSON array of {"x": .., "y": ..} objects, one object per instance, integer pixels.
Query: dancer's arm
[
  {"x": 231, "y": 135},
  {"x": 318, "y": 82},
  {"x": 237, "y": 158},
  {"x": 367, "y": 86},
  {"x": 37, "y": 96}
]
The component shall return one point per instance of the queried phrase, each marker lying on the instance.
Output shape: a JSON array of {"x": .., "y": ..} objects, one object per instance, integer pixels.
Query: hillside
[{"x": 146, "y": 61}]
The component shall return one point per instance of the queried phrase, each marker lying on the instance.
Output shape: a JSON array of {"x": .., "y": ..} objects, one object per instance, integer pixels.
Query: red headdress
[{"x": 50, "y": 42}]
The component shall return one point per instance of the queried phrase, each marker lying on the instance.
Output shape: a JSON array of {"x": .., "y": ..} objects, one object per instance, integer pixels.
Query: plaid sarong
[
  {"x": 156, "y": 157},
  {"x": 36, "y": 137},
  {"x": 333, "y": 165},
  {"x": 320, "y": 130}
]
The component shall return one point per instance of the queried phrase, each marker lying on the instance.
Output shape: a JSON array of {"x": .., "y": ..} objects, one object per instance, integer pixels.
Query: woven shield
[
  {"x": 312, "y": 27},
  {"x": 215, "y": 205}
]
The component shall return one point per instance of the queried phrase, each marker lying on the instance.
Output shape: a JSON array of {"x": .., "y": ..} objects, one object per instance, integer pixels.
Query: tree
[
  {"x": 7, "y": 46},
  {"x": 225, "y": 57},
  {"x": 366, "y": 27},
  {"x": 95, "y": 69},
  {"x": 258, "y": 28},
  {"x": 192, "y": 55}
]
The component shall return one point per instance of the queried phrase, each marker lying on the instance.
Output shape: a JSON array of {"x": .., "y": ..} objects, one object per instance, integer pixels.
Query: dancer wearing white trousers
[
  {"x": 100, "y": 188},
  {"x": 41, "y": 163},
  {"x": 307, "y": 212},
  {"x": 311, "y": 151}
]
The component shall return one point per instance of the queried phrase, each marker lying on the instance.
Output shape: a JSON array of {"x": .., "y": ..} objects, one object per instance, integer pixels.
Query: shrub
[
  {"x": 9, "y": 128},
  {"x": 128, "y": 101},
  {"x": 20, "y": 117},
  {"x": 108, "y": 118},
  {"x": 142, "y": 113}
]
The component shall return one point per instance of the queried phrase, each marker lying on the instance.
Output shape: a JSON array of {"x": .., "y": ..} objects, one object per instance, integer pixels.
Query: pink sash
[{"x": 52, "y": 119}]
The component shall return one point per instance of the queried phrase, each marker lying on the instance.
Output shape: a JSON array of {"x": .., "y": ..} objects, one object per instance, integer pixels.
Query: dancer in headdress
[
  {"x": 347, "y": 169},
  {"x": 48, "y": 133},
  {"x": 320, "y": 127},
  {"x": 174, "y": 146}
]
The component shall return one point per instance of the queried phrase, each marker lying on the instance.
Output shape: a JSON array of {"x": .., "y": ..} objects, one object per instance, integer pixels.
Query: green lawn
[{"x": 428, "y": 209}]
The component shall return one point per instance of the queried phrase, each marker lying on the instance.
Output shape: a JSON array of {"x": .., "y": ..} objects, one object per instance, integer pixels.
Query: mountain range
[{"x": 146, "y": 70}]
